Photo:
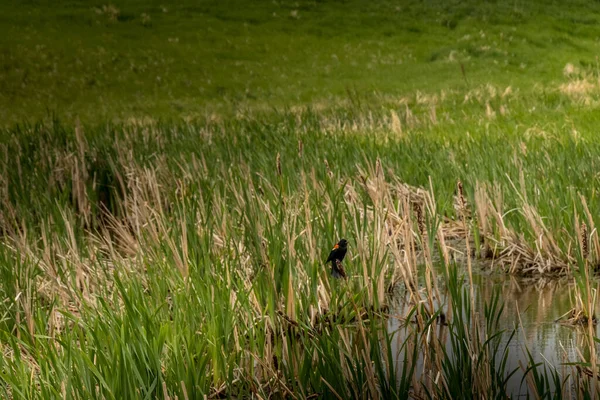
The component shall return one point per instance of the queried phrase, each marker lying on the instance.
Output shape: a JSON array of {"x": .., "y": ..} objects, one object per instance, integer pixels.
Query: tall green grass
[{"x": 181, "y": 260}]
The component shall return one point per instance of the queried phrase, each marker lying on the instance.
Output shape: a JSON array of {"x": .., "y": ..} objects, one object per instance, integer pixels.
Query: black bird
[{"x": 336, "y": 256}]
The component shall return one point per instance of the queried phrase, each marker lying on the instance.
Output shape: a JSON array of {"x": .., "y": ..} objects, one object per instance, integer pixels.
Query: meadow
[{"x": 172, "y": 179}]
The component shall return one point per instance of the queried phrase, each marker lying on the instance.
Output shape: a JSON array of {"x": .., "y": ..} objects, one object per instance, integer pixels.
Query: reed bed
[{"x": 187, "y": 260}]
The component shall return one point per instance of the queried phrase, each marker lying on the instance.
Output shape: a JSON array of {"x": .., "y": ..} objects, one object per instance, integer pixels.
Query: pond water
[{"x": 532, "y": 306}]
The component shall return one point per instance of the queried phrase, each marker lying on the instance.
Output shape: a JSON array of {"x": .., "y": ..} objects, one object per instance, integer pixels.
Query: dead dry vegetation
[{"x": 201, "y": 271}]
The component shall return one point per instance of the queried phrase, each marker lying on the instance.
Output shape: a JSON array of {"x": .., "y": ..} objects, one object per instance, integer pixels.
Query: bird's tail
[{"x": 337, "y": 270}]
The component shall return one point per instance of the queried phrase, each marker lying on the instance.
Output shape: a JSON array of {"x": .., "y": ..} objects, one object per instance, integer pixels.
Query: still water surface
[{"x": 531, "y": 306}]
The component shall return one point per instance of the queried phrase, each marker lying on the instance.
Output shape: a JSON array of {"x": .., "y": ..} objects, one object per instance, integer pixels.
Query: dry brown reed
[{"x": 404, "y": 229}]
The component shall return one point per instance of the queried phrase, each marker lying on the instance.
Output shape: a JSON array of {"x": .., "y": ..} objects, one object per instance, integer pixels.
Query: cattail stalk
[
  {"x": 329, "y": 172},
  {"x": 584, "y": 241},
  {"x": 278, "y": 162},
  {"x": 461, "y": 197},
  {"x": 420, "y": 219}
]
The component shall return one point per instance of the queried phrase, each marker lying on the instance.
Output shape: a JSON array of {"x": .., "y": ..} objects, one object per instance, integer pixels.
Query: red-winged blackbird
[{"x": 336, "y": 256}]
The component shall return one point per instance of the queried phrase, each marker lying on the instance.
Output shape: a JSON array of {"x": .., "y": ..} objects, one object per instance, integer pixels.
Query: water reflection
[{"x": 532, "y": 306}]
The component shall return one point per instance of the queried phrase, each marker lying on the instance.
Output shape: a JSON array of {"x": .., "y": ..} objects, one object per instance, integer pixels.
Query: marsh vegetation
[{"x": 182, "y": 257}]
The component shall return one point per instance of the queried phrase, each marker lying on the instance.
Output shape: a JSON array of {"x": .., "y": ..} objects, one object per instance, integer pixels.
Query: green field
[
  {"x": 172, "y": 179},
  {"x": 146, "y": 59}
]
